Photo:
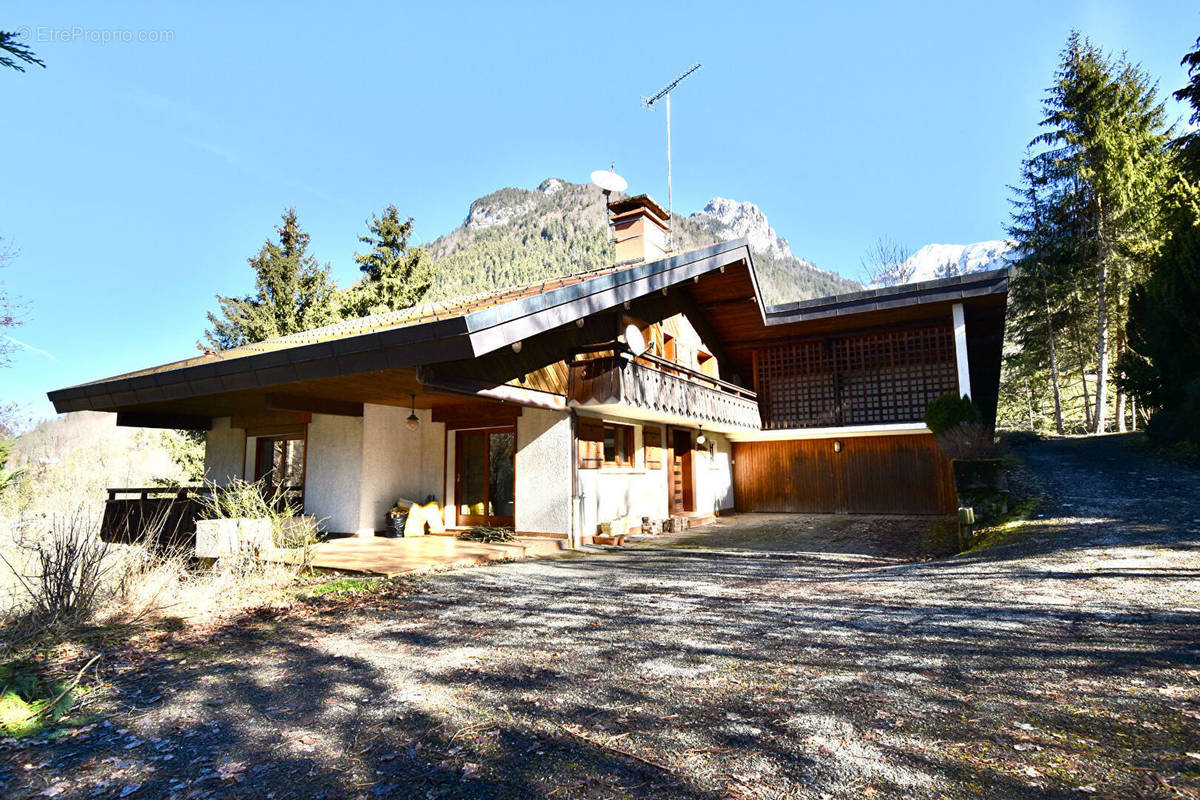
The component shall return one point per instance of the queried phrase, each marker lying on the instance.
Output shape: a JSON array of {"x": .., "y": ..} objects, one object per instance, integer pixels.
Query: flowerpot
[{"x": 216, "y": 538}]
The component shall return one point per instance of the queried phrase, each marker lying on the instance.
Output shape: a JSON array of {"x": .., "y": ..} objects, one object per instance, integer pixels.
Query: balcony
[{"x": 662, "y": 387}]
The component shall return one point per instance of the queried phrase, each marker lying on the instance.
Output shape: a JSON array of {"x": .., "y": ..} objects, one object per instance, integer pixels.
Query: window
[
  {"x": 618, "y": 445},
  {"x": 279, "y": 464}
]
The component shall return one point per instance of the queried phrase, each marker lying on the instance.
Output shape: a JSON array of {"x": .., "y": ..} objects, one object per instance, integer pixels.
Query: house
[{"x": 661, "y": 386}]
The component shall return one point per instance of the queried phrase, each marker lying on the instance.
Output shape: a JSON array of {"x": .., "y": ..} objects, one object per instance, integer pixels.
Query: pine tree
[
  {"x": 1107, "y": 131},
  {"x": 14, "y": 54},
  {"x": 395, "y": 275},
  {"x": 292, "y": 293}
]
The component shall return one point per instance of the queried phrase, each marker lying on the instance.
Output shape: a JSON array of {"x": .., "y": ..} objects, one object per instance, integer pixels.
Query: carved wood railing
[{"x": 655, "y": 384}]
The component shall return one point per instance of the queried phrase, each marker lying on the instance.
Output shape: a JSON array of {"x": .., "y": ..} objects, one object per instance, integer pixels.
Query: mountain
[
  {"x": 516, "y": 236},
  {"x": 946, "y": 260}
]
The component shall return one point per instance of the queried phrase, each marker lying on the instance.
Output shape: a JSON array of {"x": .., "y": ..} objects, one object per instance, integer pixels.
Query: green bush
[
  {"x": 950, "y": 411},
  {"x": 1180, "y": 424}
]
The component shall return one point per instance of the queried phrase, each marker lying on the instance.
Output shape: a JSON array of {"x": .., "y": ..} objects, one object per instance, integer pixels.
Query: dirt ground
[{"x": 1061, "y": 663}]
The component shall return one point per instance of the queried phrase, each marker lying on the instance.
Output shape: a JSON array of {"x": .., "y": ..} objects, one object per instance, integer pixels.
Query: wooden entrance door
[
  {"x": 485, "y": 477},
  {"x": 680, "y": 499}
]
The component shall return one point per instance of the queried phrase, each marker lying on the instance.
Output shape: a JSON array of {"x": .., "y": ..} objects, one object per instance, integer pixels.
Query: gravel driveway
[{"x": 1063, "y": 663}]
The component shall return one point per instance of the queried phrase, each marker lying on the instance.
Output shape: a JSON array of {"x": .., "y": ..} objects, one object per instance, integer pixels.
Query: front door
[
  {"x": 680, "y": 499},
  {"x": 484, "y": 477}
]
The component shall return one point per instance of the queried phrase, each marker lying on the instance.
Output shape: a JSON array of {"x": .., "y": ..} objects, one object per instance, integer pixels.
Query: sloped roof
[
  {"x": 451, "y": 308},
  {"x": 461, "y": 328}
]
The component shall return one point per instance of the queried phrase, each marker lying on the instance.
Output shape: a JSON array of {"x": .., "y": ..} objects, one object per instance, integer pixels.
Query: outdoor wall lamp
[
  {"x": 413, "y": 422},
  {"x": 837, "y": 447},
  {"x": 701, "y": 439}
]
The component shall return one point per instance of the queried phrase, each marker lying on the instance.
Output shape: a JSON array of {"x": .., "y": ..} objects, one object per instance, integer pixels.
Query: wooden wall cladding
[
  {"x": 652, "y": 442},
  {"x": 590, "y": 444},
  {"x": 871, "y": 475}
]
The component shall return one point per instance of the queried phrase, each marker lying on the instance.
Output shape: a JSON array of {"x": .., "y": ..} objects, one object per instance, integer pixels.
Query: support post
[{"x": 960, "y": 351}]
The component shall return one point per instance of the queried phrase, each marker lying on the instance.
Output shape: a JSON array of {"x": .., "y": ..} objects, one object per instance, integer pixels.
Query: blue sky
[{"x": 157, "y": 149}]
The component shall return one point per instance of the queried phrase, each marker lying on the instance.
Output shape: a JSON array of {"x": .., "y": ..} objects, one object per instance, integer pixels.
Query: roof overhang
[
  {"x": 958, "y": 288},
  {"x": 470, "y": 336}
]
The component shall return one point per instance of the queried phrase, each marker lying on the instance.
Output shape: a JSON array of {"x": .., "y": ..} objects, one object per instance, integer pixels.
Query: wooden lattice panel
[{"x": 872, "y": 378}]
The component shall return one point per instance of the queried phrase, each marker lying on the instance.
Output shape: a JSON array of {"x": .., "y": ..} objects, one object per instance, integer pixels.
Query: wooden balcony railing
[
  {"x": 655, "y": 384},
  {"x": 165, "y": 516}
]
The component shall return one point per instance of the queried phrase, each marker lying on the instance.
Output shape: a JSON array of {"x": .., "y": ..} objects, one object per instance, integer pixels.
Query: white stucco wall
[
  {"x": 638, "y": 492},
  {"x": 391, "y": 463},
  {"x": 333, "y": 472},
  {"x": 433, "y": 452},
  {"x": 714, "y": 476},
  {"x": 543, "y": 480},
  {"x": 223, "y": 449},
  {"x": 635, "y": 492}
]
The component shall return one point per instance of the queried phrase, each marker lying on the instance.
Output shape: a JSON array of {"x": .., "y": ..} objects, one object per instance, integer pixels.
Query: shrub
[
  {"x": 1180, "y": 424},
  {"x": 66, "y": 571},
  {"x": 967, "y": 440},
  {"x": 252, "y": 500},
  {"x": 950, "y": 410}
]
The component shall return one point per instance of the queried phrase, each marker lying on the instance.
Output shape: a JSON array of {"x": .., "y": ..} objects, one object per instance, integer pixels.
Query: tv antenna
[{"x": 665, "y": 92}]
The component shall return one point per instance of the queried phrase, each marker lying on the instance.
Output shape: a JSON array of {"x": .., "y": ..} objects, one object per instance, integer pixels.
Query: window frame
[{"x": 620, "y": 432}]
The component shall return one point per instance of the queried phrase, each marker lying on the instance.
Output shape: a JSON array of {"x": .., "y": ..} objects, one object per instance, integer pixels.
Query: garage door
[{"x": 870, "y": 475}]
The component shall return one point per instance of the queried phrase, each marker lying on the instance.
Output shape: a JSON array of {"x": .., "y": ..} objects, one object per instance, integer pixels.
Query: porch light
[
  {"x": 701, "y": 439},
  {"x": 413, "y": 422}
]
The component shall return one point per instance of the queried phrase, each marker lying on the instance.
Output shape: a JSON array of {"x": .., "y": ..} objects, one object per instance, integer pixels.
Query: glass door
[
  {"x": 485, "y": 477},
  {"x": 279, "y": 464}
]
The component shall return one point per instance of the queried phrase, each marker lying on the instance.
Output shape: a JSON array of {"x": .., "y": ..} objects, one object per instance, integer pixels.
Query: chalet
[{"x": 661, "y": 386}]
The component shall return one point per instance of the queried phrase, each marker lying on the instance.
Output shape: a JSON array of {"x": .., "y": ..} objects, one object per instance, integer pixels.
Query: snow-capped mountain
[{"x": 946, "y": 260}]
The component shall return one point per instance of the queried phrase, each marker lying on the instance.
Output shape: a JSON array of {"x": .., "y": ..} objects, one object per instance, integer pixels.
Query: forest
[{"x": 1103, "y": 331}]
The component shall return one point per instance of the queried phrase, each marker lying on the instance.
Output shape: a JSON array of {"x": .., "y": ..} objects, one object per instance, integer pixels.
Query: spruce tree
[
  {"x": 1106, "y": 130},
  {"x": 395, "y": 275},
  {"x": 292, "y": 293},
  {"x": 1162, "y": 363}
]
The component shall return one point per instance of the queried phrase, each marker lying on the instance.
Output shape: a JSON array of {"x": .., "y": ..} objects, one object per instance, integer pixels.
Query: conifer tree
[
  {"x": 292, "y": 293},
  {"x": 395, "y": 275},
  {"x": 1106, "y": 130},
  {"x": 1162, "y": 363}
]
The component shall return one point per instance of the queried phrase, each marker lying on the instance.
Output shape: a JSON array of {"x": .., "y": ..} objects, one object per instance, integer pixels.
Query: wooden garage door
[{"x": 871, "y": 475}]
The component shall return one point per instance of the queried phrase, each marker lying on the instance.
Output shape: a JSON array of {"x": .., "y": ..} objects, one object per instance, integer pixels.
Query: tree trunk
[
  {"x": 1029, "y": 402},
  {"x": 1087, "y": 400},
  {"x": 1121, "y": 412},
  {"x": 1101, "y": 325},
  {"x": 1133, "y": 412},
  {"x": 1058, "y": 417}
]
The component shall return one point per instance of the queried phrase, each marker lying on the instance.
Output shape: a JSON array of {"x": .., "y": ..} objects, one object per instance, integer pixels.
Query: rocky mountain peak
[{"x": 730, "y": 219}]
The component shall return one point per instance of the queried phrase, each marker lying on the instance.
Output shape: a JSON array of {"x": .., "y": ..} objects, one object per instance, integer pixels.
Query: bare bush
[
  {"x": 64, "y": 571},
  {"x": 967, "y": 440}
]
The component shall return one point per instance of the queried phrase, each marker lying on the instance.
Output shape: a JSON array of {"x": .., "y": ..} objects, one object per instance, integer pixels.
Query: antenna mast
[{"x": 665, "y": 92}]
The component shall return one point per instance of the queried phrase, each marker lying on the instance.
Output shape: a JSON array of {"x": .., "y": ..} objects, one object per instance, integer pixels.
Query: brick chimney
[{"x": 640, "y": 229}]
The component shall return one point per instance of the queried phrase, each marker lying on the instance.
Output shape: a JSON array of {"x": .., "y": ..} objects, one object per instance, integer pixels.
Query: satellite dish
[
  {"x": 609, "y": 181},
  {"x": 635, "y": 341}
]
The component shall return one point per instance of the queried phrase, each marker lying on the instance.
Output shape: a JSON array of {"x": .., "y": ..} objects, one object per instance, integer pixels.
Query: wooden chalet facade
[{"x": 658, "y": 387}]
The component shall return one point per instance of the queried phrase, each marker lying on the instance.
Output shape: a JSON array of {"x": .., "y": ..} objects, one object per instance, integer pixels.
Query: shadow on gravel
[{"x": 676, "y": 675}]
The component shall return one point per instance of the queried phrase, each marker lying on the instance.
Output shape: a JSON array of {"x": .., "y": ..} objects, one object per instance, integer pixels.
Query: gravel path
[{"x": 1062, "y": 663}]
